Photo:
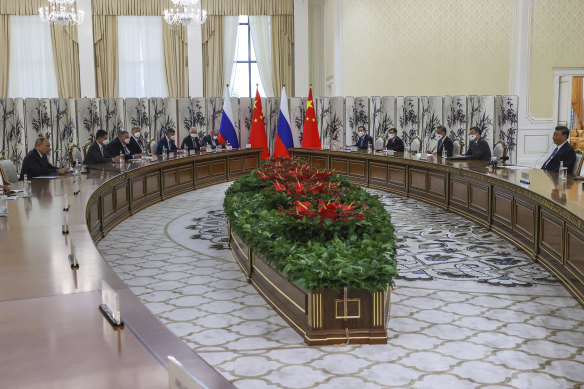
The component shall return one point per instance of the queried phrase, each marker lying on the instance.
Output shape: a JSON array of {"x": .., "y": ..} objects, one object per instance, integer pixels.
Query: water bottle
[
  {"x": 77, "y": 168},
  {"x": 369, "y": 148},
  {"x": 444, "y": 154},
  {"x": 3, "y": 204},
  {"x": 562, "y": 171},
  {"x": 164, "y": 153},
  {"x": 25, "y": 187}
]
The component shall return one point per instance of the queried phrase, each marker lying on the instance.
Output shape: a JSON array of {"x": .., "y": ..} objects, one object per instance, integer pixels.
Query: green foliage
[{"x": 317, "y": 253}]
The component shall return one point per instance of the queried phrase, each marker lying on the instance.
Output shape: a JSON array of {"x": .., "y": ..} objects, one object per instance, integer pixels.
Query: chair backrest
[
  {"x": 577, "y": 169},
  {"x": 457, "y": 146},
  {"x": 85, "y": 147},
  {"x": 500, "y": 149},
  {"x": 416, "y": 145},
  {"x": 379, "y": 143},
  {"x": 8, "y": 171},
  {"x": 153, "y": 146},
  {"x": 75, "y": 154}
]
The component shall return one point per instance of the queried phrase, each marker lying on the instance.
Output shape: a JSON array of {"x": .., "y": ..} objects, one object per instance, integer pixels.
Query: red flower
[{"x": 279, "y": 187}]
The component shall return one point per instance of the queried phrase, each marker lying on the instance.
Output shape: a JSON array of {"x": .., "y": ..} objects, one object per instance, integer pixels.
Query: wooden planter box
[{"x": 321, "y": 317}]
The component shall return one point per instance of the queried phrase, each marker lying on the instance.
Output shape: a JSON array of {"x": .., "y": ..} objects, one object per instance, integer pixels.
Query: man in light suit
[
  {"x": 98, "y": 152},
  {"x": 394, "y": 142},
  {"x": 564, "y": 151},
  {"x": 168, "y": 141},
  {"x": 444, "y": 142},
  {"x": 364, "y": 139},
  {"x": 211, "y": 140},
  {"x": 37, "y": 164},
  {"x": 478, "y": 149},
  {"x": 121, "y": 145},
  {"x": 191, "y": 140}
]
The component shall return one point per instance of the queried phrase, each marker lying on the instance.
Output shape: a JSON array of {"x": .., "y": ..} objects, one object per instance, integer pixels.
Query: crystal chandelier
[
  {"x": 62, "y": 12},
  {"x": 189, "y": 16}
]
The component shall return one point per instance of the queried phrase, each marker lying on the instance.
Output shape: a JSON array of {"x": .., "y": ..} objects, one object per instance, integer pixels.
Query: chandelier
[
  {"x": 189, "y": 16},
  {"x": 62, "y": 12}
]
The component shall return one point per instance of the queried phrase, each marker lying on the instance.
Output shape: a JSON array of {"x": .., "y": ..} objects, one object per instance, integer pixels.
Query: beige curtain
[
  {"x": 212, "y": 36},
  {"x": 66, "y": 57},
  {"x": 176, "y": 60},
  {"x": 22, "y": 7},
  {"x": 577, "y": 101},
  {"x": 4, "y": 54},
  {"x": 105, "y": 40},
  {"x": 282, "y": 38},
  {"x": 129, "y": 7},
  {"x": 248, "y": 7}
]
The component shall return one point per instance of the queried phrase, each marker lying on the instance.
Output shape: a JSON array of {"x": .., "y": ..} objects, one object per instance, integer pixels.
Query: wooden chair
[
  {"x": 577, "y": 169},
  {"x": 416, "y": 145},
  {"x": 85, "y": 147},
  {"x": 75, "y": 154},
  {"x": 458, "y": 146},
  {"x": 8, "y": 171},
  {"x": 153, "y": 146},
  {"x": 500, "y": 149}
]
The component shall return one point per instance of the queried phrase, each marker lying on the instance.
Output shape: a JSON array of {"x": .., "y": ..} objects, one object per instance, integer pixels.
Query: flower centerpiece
[{"x": 317, "y": 231}]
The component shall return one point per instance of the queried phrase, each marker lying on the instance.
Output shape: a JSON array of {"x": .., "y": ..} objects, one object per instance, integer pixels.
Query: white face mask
[
  {"x": 173, "y": 137},
  {"x": 390, "y": 136},
  {"x": 105, "y": 142},
  {"x": 438, "y": 136},
  {"x": 472, "y": 137},
  {"x": 215, "y": 137},
  {"x": 137, "y": 135},
  {"x": 127, "y": 140},
  {"x": 361, "y": 133},
  {"x": 193, "y": 136}
]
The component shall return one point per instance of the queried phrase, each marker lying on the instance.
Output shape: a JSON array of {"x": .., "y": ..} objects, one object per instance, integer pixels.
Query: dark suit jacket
[
  {"x": 566, "y": 154},
  {"x": 94, "y": 155},
  {"x": 207, "y": 140},
  {"x": 446, "y": 143},
  {"x": 364, "y": 141},
  {"x": 163, "y": 142},
  {"x": 115, "y": 146},
  {"x": 395, "y": 144},
  {"x": 478, "y": 150},
  {"x": 134, "y": 147},
  {"x": 34, "y": 166},
  {"x": 192, "y": 144}
]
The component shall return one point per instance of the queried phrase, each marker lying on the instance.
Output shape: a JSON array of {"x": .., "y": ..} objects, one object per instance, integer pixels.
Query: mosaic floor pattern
[{"x": 468, "y": 311}]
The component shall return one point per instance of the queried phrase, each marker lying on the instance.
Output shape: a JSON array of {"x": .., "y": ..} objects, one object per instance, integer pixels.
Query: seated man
[
  {"x": 168, "y": 141},
  {"x": 394, "y": 142},
  {"x": 478, "y": 149},
  {"x": 135, "y": 145},
  {"x": 444, "y": 142},
  {"x": 121, "y": 145},
  {"x": 211, "y": 140},
  {"x": 564, "y": 151},
  {"x": 364, "y": 139},
  {"x": 191, "y": 140},
  {"x": 98, "y": 152},
  {"x": 37, "y": 164}
]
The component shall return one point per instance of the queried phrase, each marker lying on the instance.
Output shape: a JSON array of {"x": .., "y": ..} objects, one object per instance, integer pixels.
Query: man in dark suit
[
  {"x": 394, "y": 142},
  {"x": 120, "y": 146},
  {"x": 191, "y": 141},
  {"x": 364, "y": 139},
  {"x": 564, "y": 151},
  {"x": 478, "y": 149},
  {"x": 444, "y": 142},
  {"x": 98, "y": 152},
  {"x": 168, "y": 141},
  {"x": 135, "y": 146},
  {"x": 37, "y": 164},
  {"x": 211, "y": 140}
]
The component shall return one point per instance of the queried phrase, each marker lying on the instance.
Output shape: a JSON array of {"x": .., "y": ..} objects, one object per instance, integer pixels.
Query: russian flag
[
  {"x": 227, "y": 131},
  {"x": 284, "y": 135}
]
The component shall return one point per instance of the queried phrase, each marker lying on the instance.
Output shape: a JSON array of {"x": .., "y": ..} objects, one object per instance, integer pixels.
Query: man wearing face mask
[
  {"x": 444, "y": 142},
  {"x": 364, "y": 138},
  {"x": 168, "y": 141},
  {"x": 394, "y": 142},
  {"x": 135, "y": 145},
  {"x": 211, "y": 140},
  {"x": 191, "y": 140},
  {"x": 120, "y": 145},
  {"x": 478, "y": 149},
  {"x": 98, "y": 152}
]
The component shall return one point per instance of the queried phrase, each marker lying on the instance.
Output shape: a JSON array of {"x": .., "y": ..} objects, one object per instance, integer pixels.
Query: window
[
  {"x": 31, "y": 67},
  {"x": 245, "y": 74},
  {"x": 141, "y": 57}
]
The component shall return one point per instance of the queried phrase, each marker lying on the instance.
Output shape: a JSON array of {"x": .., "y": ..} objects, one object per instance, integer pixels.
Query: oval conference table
[{"x": 53, "y": 335}]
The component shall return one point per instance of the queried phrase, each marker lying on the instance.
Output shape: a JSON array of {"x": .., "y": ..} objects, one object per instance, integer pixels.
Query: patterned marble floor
[{"x": 468, "y": 311}]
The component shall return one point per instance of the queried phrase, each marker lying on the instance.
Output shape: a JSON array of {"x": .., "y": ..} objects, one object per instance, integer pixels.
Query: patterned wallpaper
[
  {"x": 421, "y": 47},
  {"x": 557, "y": 41}
]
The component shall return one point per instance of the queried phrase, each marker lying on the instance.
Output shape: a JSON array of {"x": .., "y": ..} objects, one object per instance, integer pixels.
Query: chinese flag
[
  {"x": 257, "y": 135},
  {"x": 310, "y": 136}
]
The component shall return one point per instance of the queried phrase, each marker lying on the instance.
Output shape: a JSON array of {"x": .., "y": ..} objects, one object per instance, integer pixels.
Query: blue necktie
[
  {"x": 362, "y": 140},
  {"x": 439, "y": 144},
  {"x": 550, "y": 158}
]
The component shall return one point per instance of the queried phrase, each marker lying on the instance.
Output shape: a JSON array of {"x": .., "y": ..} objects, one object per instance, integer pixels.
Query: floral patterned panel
[
  {"x": 161, "y": 116},
  {"x": 245, "y": 116},
  {"x": 87, "y": 121},
  {"x": 431, "y": 114},
  {"x": 350, "y": 128},
  {"x": 323, "y": 117},
  {"x": 12, "y": 130},
  {"x": 506, "y": 124},
  {"x": 297, "y": 116},
  {"x": 272, "y": 114},
  {"x": 214, "y": 112},
  {"x": 185, "y": 114},
  {"x": 386, "y": 118},
  {"x": 121, "y": 112},
  {"x": 357, "y": 114},
  {"x": 36, "y": 123},
  {"x": 481, "y": 112},
  {"x": 455, "y": 117},
  {"x": 62, "y": 134},
  {"x": 335, "y": 128},
  {"x": 408, "y": 119},
  {"x": 374, "y": 113},
  {"x": 199, "y": 115},
  {"x": 109, "y": 118}
]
